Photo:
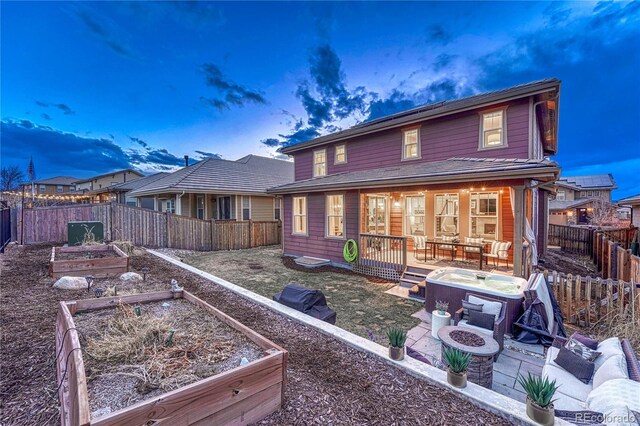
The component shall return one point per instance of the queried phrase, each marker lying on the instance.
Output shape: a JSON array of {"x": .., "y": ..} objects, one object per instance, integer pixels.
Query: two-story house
[
  {"x": 474, "y": 167},
  {"x": 52, "y": 186},
  {"x": 576, "y": 197},
  {"x": 107, "y": 179}
]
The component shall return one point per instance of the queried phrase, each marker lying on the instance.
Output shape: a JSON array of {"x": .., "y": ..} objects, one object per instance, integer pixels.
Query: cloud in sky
[
  {"x": 437, "y": 34},
  {"x": 66, "y": 109},
  {"x": 205, "y": 154},
  {"x": 76, "y": 155},
  {"x": 136, "y": 140},
  {"x": 97, "y": 25},
  {"x": 228, "y": 93}
]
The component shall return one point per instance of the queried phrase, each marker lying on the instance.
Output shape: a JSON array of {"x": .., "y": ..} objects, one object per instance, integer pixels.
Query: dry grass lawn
[{"x": 359, "y": 303}]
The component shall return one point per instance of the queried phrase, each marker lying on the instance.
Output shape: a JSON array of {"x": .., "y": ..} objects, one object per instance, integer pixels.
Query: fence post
[
  {"x": 250, "y": 233},
  {"x": 167, "y": 225},
  {"x": 213, "y": 234}
]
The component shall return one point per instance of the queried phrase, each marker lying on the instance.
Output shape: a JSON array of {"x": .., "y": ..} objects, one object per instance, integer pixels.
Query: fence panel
[
  {"x": 142, "y": 227},
  {"x": 571, "y": 238},
  {"x": 5, "y": 228},
  {"x": 265, "y": 233},
  {"x": 189, "y": 233}
]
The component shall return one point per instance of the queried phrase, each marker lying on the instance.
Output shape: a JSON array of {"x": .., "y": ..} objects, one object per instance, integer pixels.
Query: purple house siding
[
  {"x": 454, "y": 136},
  {"x": 315, "y": 244}
]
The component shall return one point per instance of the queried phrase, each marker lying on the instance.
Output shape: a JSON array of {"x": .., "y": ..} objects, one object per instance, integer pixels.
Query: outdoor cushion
[
  {"x": 419, "y": 242},
  {"x": 499, "y": 249},
  {"x": 587, "y": 341},
  {"x": 615, "y": 367},
  {"x": 613, "y": 395},
  {"x": 581, "y": 350},
  {"x": 566, "y": 402},
  {"x": 488, "y": 307},
  {"x": 468, "y": 306},
  {"x": 480, "y": 319},
  {"x": 465, "y": 324},
  {"x": 475, "y": 241},
  {"x": 607, "y": 349},
  {"x": 569, "y": 385},
  {"x": 579, "y": 367}
]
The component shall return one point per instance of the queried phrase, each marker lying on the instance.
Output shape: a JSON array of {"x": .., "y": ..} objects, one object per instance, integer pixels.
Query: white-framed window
[
  {"x": 492, "y": 130},
  {"x": 246, "y": 208},
  {"x": 42, "y": 188},
  {"x": 276, "y": 209},
  {"x": 560, "y": 195},
  {"x": 411, "y": 144},
  {"x": 341, "y": 154},
  {"x": 596, "y": 193},
  {"x": 200, "y": 206},
  {"x": 320, "y": 163},
  {"x": 483, "y": 213},
  {"x": 59, "y": 188},
  {"x": 446, "y": 214},
  {"x": 590, "y": 194},
  {"x": 335, "y": 215},
  {"x": 299, "y": 216},
  {"x": 377, "y": 221},
  {"x": 131, "y": 201},
  {"x": 414, "y": 215},
  {"x": 583, "y": 194},
  {"x": 169, "y": 205}
]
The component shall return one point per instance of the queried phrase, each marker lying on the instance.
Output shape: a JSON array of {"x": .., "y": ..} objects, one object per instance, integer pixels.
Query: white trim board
[{"x": 486, "y": 399}]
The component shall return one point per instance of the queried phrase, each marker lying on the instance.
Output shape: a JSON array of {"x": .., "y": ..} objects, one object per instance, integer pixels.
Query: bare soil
[
  {"x": 202, "y": 346},
  {"x": 328, "y": 382},
  {"x": 80, "y": 255},
  {"x": 559, "y": 260}
]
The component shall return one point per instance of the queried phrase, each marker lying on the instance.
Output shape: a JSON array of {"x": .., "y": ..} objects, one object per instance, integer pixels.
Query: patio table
[{"x": 435, "y": 243}]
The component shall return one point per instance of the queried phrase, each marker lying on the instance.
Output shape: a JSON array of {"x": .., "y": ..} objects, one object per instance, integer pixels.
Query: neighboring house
[
  {"x": 108, "y": 179},
  {"x": 472, "y": 167},
  {"x": 577, "y": 196},
  {"x": 52, "y": 186},
  {"x": 120, "y": 192},
  {"x": 220, "y": 189},
  {"x": 633, "y": 203}
]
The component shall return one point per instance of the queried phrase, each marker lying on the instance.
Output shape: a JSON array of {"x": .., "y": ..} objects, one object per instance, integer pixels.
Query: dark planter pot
[
  {"x": 396, "y": 354},
  {"x": 544, "y": 416},
  {"x": 458, "y": 380}
]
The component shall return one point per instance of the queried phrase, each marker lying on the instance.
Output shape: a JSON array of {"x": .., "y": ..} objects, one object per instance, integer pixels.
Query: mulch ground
[{"x": 328, "y": 382}]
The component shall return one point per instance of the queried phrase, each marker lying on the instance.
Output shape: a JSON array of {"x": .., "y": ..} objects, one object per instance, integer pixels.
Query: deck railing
[{"x": 383, "y": 251}]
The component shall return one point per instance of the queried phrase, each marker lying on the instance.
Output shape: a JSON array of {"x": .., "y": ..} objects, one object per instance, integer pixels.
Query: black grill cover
[
  {"x": 532, "y": 326},
  {"x": 309, "y": 301}
]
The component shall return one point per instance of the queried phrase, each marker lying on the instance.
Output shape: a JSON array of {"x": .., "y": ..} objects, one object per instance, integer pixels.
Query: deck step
[
  {"x": 419, "y": 272},
  {"x": 405, "y": 282}
]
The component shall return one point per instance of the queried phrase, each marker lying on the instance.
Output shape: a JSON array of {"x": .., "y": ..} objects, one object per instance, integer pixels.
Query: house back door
[{"x": 583, "y": 218}]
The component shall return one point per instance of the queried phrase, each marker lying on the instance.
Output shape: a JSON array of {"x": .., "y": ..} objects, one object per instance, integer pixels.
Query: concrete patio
[{"x": 516, "y": 358}]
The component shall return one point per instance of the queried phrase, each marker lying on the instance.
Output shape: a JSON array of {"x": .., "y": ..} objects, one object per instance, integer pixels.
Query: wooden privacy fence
[
  {"x": 146, "y": 228},
  {"x": 571, "y": 238},
  {"x": 586, "y": 300},
  {"x": 614, "y": 261}
]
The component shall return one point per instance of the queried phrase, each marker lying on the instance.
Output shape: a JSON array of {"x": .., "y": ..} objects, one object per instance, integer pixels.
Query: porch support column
[
  {"x": 178, "y": 205},
  {"x": 518, "y": 228},
  {"x": 155, "y": 203}
]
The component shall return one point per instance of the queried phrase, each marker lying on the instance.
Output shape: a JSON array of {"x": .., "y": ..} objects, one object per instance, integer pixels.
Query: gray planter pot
[
  {"x": 396, "y": 354},
  {"x": 544, "y": 416},
  {"x": 457, "y": 380}
]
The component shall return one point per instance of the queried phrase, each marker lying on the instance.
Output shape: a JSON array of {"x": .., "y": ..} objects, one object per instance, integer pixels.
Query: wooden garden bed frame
[
  {"x": 98, "y": 267},
  {"x": 243, "y": 395}
]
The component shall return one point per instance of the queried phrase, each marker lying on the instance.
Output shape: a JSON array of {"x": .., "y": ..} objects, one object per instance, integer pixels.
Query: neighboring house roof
[
  {"x": 57, "y": 180},
  {"x": 132, "y": 184},
  {"x": 580, "y": 183},
  {"x": 250, "y": 174},
  {"x": 445, "y": 171},
  {"x": 432, "y": 111},
  {"x": 89, "y": 179},
  {"x": 630, "y": 201},
  {"x": 568, "y": 204}
]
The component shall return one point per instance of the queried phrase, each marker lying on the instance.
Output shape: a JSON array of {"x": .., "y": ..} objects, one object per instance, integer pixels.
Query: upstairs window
[
  {"x": 341, "y": 154},
  {"x": 561, "y": 196},
  {"x": 335, "y": 216},
  {"x": 410, "y": 144},
  {"x": 320, "y": 163},
  {"x": 299, "y": 216},
  {"x": 492, "y": 133}
]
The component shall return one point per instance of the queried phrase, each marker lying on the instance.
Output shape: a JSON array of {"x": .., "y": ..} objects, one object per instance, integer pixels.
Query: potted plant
[
  {"x": 458, "y": 363},
  {"x": 540, "y": 392},
  {"x": 441, "y": 307},
  {"x": 397, "y": 338}
]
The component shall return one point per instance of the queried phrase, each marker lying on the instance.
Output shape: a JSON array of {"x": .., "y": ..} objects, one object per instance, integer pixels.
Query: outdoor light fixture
[
  {"x": 396, "y": 204},
  {"x": 144, "y": 271},
  {"x": 99, "y": 292},
  {"x": 89, "y": 279}
]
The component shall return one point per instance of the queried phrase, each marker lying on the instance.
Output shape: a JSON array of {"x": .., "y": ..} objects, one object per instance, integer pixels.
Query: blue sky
[{"x": 91, "y": 87}]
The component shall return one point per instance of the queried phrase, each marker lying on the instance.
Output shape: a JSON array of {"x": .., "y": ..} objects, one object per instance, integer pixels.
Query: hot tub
[{"x": 452, "y": 284}]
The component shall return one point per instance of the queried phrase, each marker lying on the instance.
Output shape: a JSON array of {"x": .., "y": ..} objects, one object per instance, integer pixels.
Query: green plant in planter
[
  {"x": 539, "y": 390},
  {"x": 457, "y": 360},
  {"x": 441, "y": 307},
  {"x": 397, "y": 337}
]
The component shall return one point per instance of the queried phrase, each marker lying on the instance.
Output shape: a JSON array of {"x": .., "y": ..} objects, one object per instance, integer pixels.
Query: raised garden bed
[
  {"x": 205, "y": 384},
  {"x": 79, "y": 261}
]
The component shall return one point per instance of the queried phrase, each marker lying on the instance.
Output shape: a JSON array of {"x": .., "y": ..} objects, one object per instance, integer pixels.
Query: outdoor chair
[
  {"x": 499, "y": 251},
  {"x": 499, "y": 325},
  {"x": 472, "y": 250},
  {"x": 446, "y": 247},
  {"x": 419, "y": 245}
]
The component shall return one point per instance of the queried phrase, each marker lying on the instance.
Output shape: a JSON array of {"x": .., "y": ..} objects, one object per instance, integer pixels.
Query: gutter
[{"x": 548, "y": 172}]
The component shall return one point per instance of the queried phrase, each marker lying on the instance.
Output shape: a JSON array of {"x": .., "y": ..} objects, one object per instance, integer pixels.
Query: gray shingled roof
[
  {"x": 250, "y": 174},
  {"x": 108, "y": 174},
  {"x": 429, "y": 111},
  {"x": 568, "y": 204},
  {"x": 453, "y": 169},
  {"x": 132, "y": 184},
  {"x": 588, "y": 182},
  {"x": 634, "y": 199},
  {"x": 57, "y": 180}
]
